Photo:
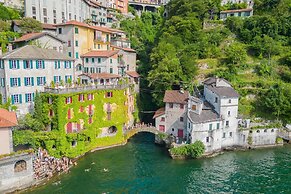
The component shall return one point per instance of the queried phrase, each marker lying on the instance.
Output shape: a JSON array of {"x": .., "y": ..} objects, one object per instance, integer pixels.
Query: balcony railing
[{"x": 67, "y": 90}]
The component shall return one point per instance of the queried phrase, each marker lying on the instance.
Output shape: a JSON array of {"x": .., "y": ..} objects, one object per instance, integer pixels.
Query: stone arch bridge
[{"x": 143, "y": 128}]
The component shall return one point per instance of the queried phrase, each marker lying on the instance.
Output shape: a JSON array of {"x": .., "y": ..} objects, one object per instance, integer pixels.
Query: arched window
[
  {"x": 20, "y": 166},
  {"x": 112, "y": 129}
]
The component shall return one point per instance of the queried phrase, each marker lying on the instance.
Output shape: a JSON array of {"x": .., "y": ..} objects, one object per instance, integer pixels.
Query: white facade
[
  {"x": 100, "y": 65},
  {"x": 59, "y": 11},
  {"x": 22, "y": 77}
]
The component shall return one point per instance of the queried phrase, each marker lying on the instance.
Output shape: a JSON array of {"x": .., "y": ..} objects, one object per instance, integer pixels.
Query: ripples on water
[{"x": 142, "y": 167}]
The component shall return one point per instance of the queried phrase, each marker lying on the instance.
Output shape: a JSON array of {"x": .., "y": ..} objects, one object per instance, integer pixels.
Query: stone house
[
  {"x": 236, "y": 13},
  {"x": 172, "y": 118},
  {"x": 41, "y": 39},
  {"x": 29, "y": 68},
  {"x": 8, "y": 120}
]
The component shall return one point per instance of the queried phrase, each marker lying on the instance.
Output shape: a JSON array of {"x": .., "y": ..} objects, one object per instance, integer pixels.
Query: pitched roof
[
  {"x": 213, "y": 80},
  {"x": 101, "y": 75},
  {"x": 35, "y": 35},
  {"x": 49, "y": 26},
  {"x": 7, "y": 119},
  {"x": 237, "y": 10},
  {"x": 159, "y": 112},
  {"x": 76, "y": 23},
  {"x": 206, "y": 115},
  {"x": 104, "y": 54},
  {"x": 223, "y": 91},
  {"x": 176, "y": 96},
  {"x": 34, "y": 52},
  {"x": 125, "y": 49},
  {"x": 132, "y": 74}
]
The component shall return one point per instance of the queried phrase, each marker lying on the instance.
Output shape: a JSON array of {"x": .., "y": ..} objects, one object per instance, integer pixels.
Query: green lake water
[{"x": 143, "y": 167}]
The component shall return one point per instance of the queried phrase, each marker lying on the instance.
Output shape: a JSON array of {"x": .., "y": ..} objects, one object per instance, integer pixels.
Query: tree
[
  {"x": 8, "y": 105},
  {"x": 29, "y": 122},
  {"x": 4, "y": 26},
  {"x": 39, "y": 114},
  {"x": 236, "y": 54},
  {"x": 29, "y": 25},
  {"x": 277, "y": 100}
]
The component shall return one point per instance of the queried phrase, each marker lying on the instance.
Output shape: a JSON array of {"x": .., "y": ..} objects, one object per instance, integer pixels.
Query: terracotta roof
[
  {"x": 237, "y": 10},
  {"x": 132, "y": 74},
  {"x": 76, "y": 23},
  {"x": 103, "y": 54},
  {"x": 7, "y": 119},
  {"x": 176, "y": 96},
  {"x": 159, "y": 112},
  {"x": 101, "y": 75},
  {"x": 32, "y": 36},
  {"x": 125, "y": 49},
  {"x": 34, "y": 52},
  {"x": 49, "y": 26}
]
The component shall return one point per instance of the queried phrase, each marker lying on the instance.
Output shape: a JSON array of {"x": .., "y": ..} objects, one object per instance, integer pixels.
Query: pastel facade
[
  {"x": 236, "y": 13},
  {"x": 29, "y": 69}
]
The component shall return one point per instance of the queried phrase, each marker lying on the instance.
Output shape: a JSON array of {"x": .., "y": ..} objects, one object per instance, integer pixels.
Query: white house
[{"x": 29, "y": 68}]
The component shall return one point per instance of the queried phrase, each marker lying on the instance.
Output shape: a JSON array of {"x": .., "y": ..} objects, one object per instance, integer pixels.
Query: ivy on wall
[{"x": 58, "y": 142}]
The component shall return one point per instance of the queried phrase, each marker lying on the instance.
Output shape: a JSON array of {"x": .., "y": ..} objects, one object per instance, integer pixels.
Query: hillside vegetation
[{"x": 253, "y": 53}]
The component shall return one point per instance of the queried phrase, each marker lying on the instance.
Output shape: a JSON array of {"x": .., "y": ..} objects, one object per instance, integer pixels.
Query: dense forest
[{"x": 190, "y": 44}]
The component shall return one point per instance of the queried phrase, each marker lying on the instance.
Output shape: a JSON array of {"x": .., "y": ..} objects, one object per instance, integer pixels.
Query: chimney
[{"x": 10, "y": 48}]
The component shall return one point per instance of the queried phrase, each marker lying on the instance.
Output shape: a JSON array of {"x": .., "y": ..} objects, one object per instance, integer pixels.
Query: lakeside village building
[
  {"x": 92, "y": 54},
  {"x": 211, "y": 118},
  {"x": 246, "y": 12}
]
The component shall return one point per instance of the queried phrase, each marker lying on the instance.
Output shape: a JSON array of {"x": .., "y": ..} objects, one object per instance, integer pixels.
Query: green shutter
[
  {"x": 44, "y": 80},
  {"x": 10, "y": 64},
  {"x": 25, "y": 82},
  {"x": 32, "y": 96},
  {"x": 19, "y": 82},
  {"x": 36, "y": 64},
  {"x": 55, "y": 79},
  {"x": 59, "y": 64},
  {"x": 18, "y": 67},
  {"x": 24, "y": 67},
  {"x": 37, "y": 81},
  {"x": 32, "y": 81},
  {"x": 20, "y": 98},
  {"x": 12, "y": 99},
  {"x": 31, "y": 64},
  {"x": 56, "y": 64},
  {"x": 26, "y": 97},
  {"x": 43, "y": 64},
  {"x": 11, "y": 82}
]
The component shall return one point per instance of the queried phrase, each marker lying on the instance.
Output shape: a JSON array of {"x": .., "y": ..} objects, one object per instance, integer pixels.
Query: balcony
[{"x": 76, "y": 89}]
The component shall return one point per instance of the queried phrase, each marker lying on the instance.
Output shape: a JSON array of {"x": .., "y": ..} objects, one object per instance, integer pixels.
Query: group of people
[{"x": 46, "y": 166}]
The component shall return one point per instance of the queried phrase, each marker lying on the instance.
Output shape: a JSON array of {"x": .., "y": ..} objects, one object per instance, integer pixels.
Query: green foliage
[
  {"x": 232, "y": 6},
  {"x": 4, "y": 26},
  {"x": 6, "y": 37},
  {"x": 29, "y": 25},
  {"x": 194, "y": 150},
  {"x": 250, "y": 139},
  {"x": 279, "y": 140},
  {"x": 28, "y": 122},
  {"x": 277, "y": 101},
  {"x": 8, "y": 105},
  {"x": 7, "y": 13},
  {"x": 236, "y": 54}
]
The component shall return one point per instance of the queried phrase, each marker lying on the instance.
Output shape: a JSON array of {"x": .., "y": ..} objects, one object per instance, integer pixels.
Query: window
[
  {"x": 258, "y": 131},
  {"x": 13, "y": 64},
  {"x": 265, "y": 130},
  {"x": 44, "y": 12},
  {"x": 2, "y": 83},
  {"x": 40, "y": 64},
  {"x": 181, "y": 119},
  {"x": 217, "y": 126},
  {"x": 69, "y": 114},
  {"x": 81, "y": 109},
  {"x": 68, "y": 78},
  {"x": 272, "y": 130},
  {"x": 67, "y": 64},
  {"x": 76, "y": 43},
  {"x": 76, "y": 30},
  {"x": 230, "y": 134},
  {"x": 57, "y": 64},
  {"x": 216, "y": 99},
  {"x": 50, "y": 100},
  {"x": 110, "y": 61},
  {"x": 57, "y": 79},
  {"x": 27, "y": 64},
  {"x": 111, "y": 70},
  {"x": 16, "y": 99},
  {"x": 210, "y": 126},
  {"x": 29, "y": 97},
  {"x": 70, "y": 17},
  {"x": 70, "y": 54},
  {"x": 229, "y": 101},
  {"x": 90, "y": 96},
  {"x": 60, "y": 30},
  {"x": 227, "y": 123},
  {"x": 162, "y": 119},
  {"x": 162, "y": 128},
  {"x": 171, "y": 105},
  {"x": 99, "y": 60},
  {"x": 90, "y": 121},
  {"x": 81, "y": 97},
  {"x": 45, "y": 20},
  {"x": 29, "y": 81},
  {"x": 51, "y": 113},
  {"x": 194, "y": 107},
  {"x": 173, "y": 129},
  {"x": 99, "y": 46},
  {"x": 87, "y": 60},
  {"x": 109, "y": 94},
  {"x": 69, "y": 43},
  {"x": 14, "y": 82},
  {"x": 63, "y": 15},
  {"x": 228, "y": 113},
  {"x": 55, "y": 13},
  {"x": 33, "y": 10},
  {"x": 207, "y": 139},
  {"x": 20, "y": 166},
  {"x": 55, "y": 21},
  {"x": 223, "y": 135},
  {"x": 93, "y": 60},
  {"x": 181, "y": 106},
  {"x": 41, "y": 81},
  {"x": 68, "y": 100},
  {"x": 77, "y": 55}
]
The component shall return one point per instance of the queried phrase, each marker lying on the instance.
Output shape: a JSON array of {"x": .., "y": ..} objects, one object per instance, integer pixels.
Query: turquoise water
[{"x": 143, "y": 167}]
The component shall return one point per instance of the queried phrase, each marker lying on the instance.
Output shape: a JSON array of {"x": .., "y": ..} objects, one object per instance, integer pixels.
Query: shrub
[{"x": 194, "y": 150}]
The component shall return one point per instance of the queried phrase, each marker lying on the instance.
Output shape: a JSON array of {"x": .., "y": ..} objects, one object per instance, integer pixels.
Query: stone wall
[{"x": 16, "y": 172}]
